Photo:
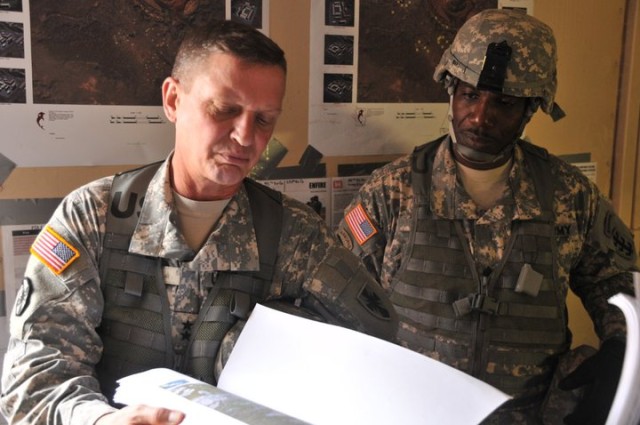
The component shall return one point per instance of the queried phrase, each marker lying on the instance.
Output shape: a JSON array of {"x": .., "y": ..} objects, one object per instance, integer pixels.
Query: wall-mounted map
[
  {"x": 400, "y": 44},
  {"x": 371, "y": 87},
  {"x": 80, "y": 81},
  {"x": 108, "y": 53}
]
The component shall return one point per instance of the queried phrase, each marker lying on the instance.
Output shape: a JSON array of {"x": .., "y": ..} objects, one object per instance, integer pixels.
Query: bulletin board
[{"x": 80, "y": 81}]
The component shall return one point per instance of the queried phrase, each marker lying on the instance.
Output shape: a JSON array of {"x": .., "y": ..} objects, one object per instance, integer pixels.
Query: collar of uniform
[
  {"x": 232, "y": 244},
  {"x": 527, "y": 204},
  {"x": 449, "y": 200},
  {"x": 156, "y": 233}
]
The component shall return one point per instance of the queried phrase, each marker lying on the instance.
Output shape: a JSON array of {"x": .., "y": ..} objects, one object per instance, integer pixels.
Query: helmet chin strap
[{"x": 481, "y": 160}]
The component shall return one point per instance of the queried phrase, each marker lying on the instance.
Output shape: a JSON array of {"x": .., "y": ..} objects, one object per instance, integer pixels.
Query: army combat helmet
[{"x": 505, "y": 51}]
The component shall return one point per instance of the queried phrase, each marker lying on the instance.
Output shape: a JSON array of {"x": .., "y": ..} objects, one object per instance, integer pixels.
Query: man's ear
[{"x": 170, "y": 98}]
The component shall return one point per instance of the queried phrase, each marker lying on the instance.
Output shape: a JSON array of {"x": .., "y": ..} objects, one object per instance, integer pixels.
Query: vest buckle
[
  {"x": 462, "y": 307},
  {"x": 485, "y": 304}
]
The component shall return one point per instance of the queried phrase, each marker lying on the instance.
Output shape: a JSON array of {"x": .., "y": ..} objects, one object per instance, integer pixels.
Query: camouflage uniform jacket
[
  {"x": 49, "y": 374},
  {"x": 595, "y": 250}
]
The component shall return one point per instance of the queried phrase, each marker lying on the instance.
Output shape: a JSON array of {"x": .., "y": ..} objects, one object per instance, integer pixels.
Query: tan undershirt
[
  {"x": 196, "y": 218},
  {"x": 485, "y": 187}
]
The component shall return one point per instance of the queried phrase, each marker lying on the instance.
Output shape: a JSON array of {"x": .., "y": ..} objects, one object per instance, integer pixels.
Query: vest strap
[
  {"x": 428, "y": 294},
  {"x": 138, "y": 336},
  {"x": 150, "y": 302},
  {"x": 116, "y": 241},
  {"x": 119, "y": 260},
  {"x": 218, "y": 313},
  {"x": 489, "y": 305},
  {"x": 204, "y": 348},
  {"x": 438, "y": 268}
]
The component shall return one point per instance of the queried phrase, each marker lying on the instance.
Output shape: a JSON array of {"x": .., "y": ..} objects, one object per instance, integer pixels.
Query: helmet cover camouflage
[{"x": 531, "y": 66}]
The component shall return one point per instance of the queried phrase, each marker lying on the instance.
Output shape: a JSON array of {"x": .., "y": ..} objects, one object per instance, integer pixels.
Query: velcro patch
[
  {"x": 621, "y": 239},
  {"x": 370, "y": 300},
  {"x": 53, "y": 250},
  {"x": 360, "y": 224},
  {"x": 613, "y": 235}
]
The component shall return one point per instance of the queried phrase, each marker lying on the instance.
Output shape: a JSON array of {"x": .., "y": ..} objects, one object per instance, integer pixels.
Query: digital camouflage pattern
[
  {"x": 531, "y": 71},
  {"x": 49, "y": 376},
  {"x": 592, "y": 261}
]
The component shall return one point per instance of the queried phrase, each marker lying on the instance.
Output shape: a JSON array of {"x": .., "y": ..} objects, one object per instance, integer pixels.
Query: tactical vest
[
  {"x": 477, "y": 322},
  {"x": 136, "y": 329}
]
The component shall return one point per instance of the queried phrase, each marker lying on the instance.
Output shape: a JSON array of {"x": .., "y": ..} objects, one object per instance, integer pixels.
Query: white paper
[
  {"x": 324, "y": 374},
  {"x": 625, "y": 409}
]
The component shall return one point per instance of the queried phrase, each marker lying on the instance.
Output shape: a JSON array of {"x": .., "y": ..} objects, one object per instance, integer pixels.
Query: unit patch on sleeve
[
  {"x": 360, "y": 224},
  {"x": 55, "y": 252},
  {"x": 23, "y": 296}
]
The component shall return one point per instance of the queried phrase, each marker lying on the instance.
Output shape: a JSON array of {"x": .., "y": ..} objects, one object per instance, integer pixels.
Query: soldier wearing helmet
[{"x": 478, "y": 236}]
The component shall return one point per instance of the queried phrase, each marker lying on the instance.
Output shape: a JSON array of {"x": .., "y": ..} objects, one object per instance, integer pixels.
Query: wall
[
  {"x": 589, "y": 34},
  {"x": 625, "y": 187},
  {"x": 590, "y": 43}
]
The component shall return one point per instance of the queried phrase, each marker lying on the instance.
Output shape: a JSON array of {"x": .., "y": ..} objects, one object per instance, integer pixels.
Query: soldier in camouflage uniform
[
  {"x": 154, "y": 267},
  {"x": 478, "y": 236}
]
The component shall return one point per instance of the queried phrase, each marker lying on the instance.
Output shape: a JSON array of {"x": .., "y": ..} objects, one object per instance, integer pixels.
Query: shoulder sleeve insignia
[
  {"x": 23, "y": 295},
  {"x": 613, "y": 235},
  {"x": 53, "y": 250},
  {"x": 360, "y": 224},
  {"x": 372, "y": 302},
  {"x": 344, "y": 238}
]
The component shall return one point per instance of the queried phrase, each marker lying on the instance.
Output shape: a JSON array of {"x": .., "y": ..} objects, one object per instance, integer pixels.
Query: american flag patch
[
  {"x": 360, "y": 224},
  {"x": 51, "y": 248}
]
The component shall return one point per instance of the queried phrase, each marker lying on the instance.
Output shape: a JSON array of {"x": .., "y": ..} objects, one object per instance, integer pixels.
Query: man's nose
[
  {"x": 243, "y": 131},
  {"x": 483, "y": 113}
]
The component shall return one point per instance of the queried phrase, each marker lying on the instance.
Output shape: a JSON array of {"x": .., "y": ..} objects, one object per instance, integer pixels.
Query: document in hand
[
  {"x": 202, "y": 403},
  {"x": 625, "y": 409},
  {"x": 327, "y": 375}
]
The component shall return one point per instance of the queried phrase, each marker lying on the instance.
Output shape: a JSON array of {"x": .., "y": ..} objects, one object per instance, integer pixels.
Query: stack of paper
[{"x": 202, "y": 403}]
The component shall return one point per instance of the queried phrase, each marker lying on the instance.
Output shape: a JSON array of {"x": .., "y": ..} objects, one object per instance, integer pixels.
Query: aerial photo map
[
  {"x": 108, "y": 53},
  {"x": 400, "y": 44}
]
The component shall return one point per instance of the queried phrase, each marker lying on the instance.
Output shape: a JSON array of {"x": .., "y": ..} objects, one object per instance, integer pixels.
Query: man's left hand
[{"x": 599, "y": 374}]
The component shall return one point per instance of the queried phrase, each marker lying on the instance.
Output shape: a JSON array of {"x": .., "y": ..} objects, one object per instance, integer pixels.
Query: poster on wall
[
  {"x": 80, "y": 82},
  {"x": 314, "y": 192},
  {"x": 371, "y": 88}
]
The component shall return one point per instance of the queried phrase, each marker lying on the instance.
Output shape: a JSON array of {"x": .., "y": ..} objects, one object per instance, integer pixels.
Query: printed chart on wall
[
  {"x": 326, "y": 196},
  {"x": 371, "y": 88},
  {"x": 80, "y": 82}
]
